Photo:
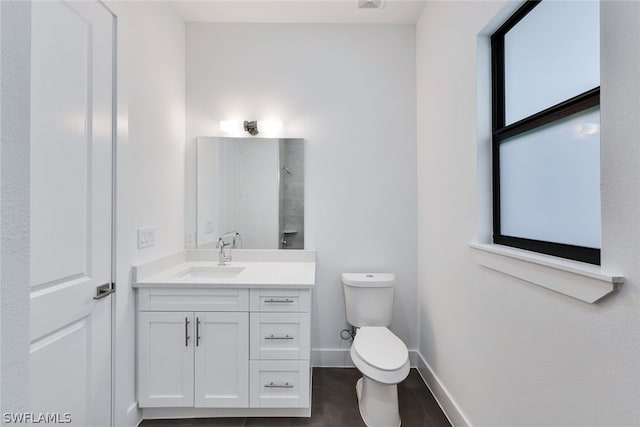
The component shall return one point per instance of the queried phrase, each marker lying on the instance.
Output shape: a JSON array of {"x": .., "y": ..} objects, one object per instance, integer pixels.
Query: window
[{"x": 546, "y": 130}]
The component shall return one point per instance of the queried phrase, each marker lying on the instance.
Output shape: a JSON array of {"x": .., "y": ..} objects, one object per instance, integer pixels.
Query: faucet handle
[
  {"x": 221, "y": 244},
  {"x": 236, "y": 238}
]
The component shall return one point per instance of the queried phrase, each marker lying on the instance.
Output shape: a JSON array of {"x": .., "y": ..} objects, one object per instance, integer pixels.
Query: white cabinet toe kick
[{"x": 223, "y": 352}]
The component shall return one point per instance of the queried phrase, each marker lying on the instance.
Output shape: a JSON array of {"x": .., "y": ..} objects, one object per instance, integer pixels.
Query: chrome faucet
[{"x": 222, "y": 258}]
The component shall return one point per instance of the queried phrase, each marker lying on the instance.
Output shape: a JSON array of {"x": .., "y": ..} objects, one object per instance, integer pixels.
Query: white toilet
[{"x": 381, "y": 356}]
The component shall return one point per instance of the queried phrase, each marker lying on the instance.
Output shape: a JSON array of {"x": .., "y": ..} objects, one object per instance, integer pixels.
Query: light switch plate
[
  {"x": 209, "y": 227},
  {"x": 146, "y": 237}
]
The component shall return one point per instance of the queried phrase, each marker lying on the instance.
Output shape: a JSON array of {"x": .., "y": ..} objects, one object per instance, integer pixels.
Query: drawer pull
[
  {"x": 278, "y": 300},
  {"x": 276, "y": 337},
  {"x": 186, "y": 332},
  {"x": 274, "y": 385},
  {"x": 197, "y": 331}
]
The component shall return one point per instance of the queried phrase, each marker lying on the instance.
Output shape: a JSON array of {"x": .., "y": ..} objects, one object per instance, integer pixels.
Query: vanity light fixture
[{"x": 253, "y": 127}]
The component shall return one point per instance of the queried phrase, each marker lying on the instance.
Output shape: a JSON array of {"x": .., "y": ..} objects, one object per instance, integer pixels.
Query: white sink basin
[{"x": 210, "y": 272}]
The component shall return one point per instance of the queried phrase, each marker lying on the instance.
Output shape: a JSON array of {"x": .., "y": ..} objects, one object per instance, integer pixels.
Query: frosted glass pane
[
  {"x": 551, "y": 55},
  {"x": 550, "y": 182}
]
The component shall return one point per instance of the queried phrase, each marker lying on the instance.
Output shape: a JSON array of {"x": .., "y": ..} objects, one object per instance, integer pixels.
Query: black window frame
[{"x": 501, "y": 132}]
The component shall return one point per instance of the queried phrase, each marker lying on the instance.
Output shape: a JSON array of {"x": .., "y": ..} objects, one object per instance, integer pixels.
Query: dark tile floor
[{"x": 334, "y": 404}]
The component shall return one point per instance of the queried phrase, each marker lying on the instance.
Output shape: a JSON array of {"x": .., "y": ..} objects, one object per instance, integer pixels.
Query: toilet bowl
[
  {"x": 383, "y": 360},
  {"x": 381, "y": 356}
]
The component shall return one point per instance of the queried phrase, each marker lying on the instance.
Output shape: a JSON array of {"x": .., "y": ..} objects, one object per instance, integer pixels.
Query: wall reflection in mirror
[{"x": 250, "y": 189}]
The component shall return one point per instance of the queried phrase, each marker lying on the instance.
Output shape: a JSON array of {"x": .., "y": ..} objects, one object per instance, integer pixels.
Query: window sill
[{"x": 579, "y": 280}]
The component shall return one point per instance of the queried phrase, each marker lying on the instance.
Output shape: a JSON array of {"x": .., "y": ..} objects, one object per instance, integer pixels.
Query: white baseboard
[
  {"x": 331, "y": 358},
  {"x": 340, "y": 358},
  {"x": 448, "y": 404}
]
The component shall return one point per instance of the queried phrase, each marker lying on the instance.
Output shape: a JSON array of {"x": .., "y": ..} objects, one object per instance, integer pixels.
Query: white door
[
  {"x": 71, "y": 211},
  {"x": 165, "y": 359},
  {"x": 222, "y": 360}
]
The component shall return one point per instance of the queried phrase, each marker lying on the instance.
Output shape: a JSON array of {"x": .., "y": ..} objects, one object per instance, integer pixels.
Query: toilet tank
[{"x": 368, "y": 298}]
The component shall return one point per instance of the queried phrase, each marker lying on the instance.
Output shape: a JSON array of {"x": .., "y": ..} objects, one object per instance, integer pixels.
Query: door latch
[{"x": 104, "y": 290}]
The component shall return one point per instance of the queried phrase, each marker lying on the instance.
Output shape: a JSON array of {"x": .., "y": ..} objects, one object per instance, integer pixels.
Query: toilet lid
[{"x": 380, "y": 348}]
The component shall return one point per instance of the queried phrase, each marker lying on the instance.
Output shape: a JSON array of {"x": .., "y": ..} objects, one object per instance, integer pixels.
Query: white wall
[
  {"x": 349, "y": 90},
  {"x": 507, "y": 352},
  {"x": 150, "y": 168},
  {"x": 15, "y": 70}
]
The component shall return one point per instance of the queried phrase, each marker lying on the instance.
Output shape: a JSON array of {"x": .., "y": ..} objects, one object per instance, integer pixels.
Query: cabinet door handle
[
  {"x": 278, "y": 337},
  {"x": 276, "y": 300},
  {"x": 186, "y": 332},
  {"x": 197, "y": 331},
  {"x": 275, "y": 385}
]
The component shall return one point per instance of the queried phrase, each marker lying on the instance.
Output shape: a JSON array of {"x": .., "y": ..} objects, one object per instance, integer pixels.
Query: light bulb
[
  {"x": 270, "y": 127},
  {"x": 231, "y": 126}
]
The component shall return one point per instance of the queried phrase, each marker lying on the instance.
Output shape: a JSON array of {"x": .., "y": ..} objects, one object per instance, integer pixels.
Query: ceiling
[{"x": 298, "y": 11}]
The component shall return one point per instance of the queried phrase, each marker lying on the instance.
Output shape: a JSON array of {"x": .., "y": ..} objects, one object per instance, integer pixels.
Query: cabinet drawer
[
  {"x": 174, "y": 299},
  {"x": 280, "y": 300},
  {"x": 279, "y": 384},
  {"x": 279, "y": 336}
]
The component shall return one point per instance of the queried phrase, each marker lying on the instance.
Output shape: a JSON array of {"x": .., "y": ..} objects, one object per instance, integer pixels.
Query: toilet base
[{"x": 378, "y": 403}]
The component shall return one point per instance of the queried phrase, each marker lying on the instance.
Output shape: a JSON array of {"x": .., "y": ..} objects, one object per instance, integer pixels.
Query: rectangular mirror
[{"x": 250, "y": 189}]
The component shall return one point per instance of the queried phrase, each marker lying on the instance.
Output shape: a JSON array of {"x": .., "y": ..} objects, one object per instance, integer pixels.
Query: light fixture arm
[{"x": 251, "y": 126}]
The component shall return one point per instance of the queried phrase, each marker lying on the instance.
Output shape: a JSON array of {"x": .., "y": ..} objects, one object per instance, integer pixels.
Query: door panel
[
  {"x": 52, "y": 384},
  {"x": 71, "y": 209},
  {"x": 60, "y": 143},
  {"x": 222, "y": 360}
]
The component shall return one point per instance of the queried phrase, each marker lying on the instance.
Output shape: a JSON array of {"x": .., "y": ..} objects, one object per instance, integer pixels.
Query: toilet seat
[{"x": 380, "y": 355}]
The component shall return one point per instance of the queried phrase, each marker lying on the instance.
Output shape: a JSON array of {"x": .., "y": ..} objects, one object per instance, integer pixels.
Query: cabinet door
[
  {"x": 222, "y": 360},
  {"x": 165, "y": 359}
]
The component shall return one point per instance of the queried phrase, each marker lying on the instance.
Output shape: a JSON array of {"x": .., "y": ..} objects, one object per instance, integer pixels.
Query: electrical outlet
[
  {"x": 209, "y": 227},
  {"x": 190, "y": 241},
  {"x": 146, "y": 237}
]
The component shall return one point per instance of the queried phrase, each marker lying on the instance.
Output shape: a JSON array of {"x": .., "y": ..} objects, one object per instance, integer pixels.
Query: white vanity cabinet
[
  {"x": 243, "y": 348},
  {"x": 224, "y": 359},
  {"x": 193, "y": 359},
  {"x": 225, "y": 341}
]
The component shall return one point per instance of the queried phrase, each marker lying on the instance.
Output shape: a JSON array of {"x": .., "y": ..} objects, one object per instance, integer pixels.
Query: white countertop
[{"x": 270, "y": 271}]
